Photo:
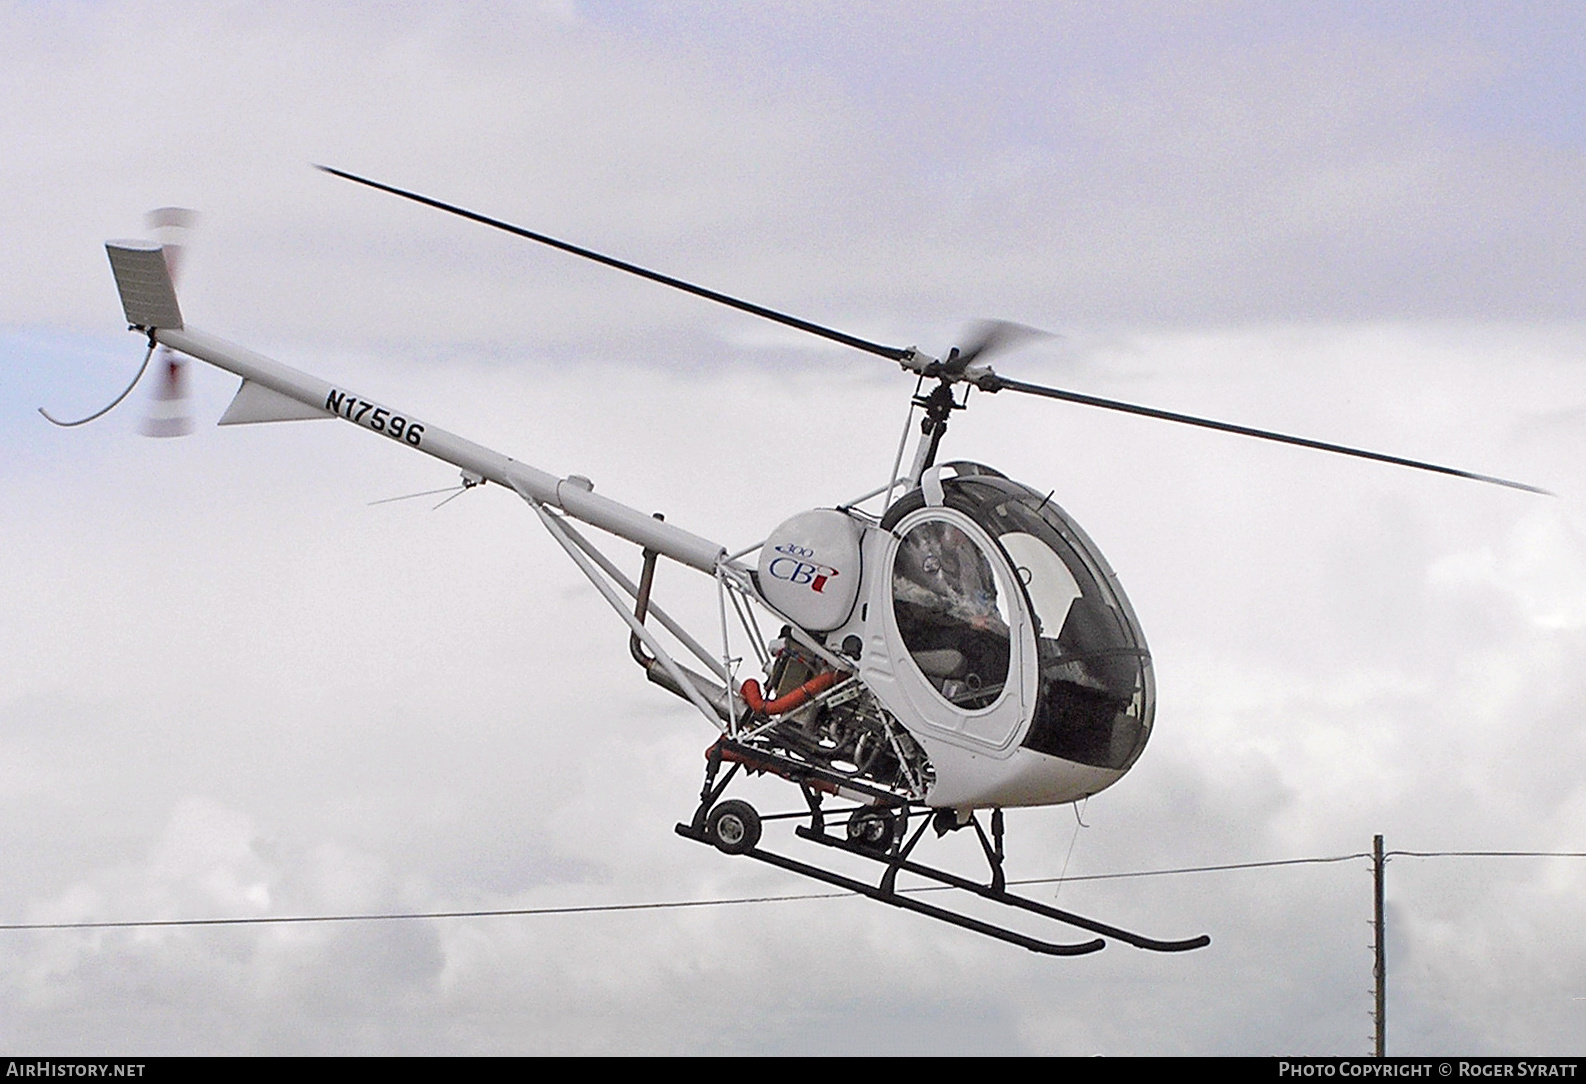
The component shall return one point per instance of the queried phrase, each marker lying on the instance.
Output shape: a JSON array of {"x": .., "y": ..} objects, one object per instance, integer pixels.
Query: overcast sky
[{"x": 229, "y": 686}]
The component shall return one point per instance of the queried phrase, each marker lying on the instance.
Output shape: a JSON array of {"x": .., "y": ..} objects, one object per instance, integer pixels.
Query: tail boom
[{"x": 323, "y": 399}]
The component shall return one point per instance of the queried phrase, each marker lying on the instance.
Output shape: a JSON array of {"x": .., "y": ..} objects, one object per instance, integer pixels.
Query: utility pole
[{"x": 1378, "y": 862}]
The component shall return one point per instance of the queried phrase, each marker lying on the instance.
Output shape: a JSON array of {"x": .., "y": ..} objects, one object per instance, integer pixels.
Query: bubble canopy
[{"x": 953, "y": 602}]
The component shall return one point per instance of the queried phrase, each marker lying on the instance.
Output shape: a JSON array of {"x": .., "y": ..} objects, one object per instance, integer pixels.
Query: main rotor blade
[
  {"x": 892, "y": 352},
  {"x": 996, "y": 337},
  {"x": 999, "y": 383}
]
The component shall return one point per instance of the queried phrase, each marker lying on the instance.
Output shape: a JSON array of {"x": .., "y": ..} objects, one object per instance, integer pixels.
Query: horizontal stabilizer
[
  {"x": 144, "y": 279},
  {"x": 257, "y": 403}
]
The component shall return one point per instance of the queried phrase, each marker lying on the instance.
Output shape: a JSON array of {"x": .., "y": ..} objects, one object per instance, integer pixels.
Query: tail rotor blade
[
  {"x": 168, "y": 411},
  {"x": 170, "y": 226}
]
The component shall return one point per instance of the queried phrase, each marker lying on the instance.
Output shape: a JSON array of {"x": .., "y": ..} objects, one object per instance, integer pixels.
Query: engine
[{"x": 830, "y": 720}]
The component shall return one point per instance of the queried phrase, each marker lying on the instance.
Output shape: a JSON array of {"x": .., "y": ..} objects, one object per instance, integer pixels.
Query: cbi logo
[{"x": 794, "y": 568}]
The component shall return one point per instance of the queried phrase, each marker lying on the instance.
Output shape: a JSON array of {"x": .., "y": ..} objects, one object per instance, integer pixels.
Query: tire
[
  {"x": 874, "y": 830},
  {"x": 733, "y": 827}
]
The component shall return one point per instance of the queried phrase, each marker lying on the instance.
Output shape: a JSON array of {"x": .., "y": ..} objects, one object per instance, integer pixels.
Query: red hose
[{"x": 757, "y": 702}]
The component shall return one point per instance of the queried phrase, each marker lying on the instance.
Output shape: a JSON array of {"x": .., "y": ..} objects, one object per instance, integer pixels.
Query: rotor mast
[{"x": 938, "y": 406}]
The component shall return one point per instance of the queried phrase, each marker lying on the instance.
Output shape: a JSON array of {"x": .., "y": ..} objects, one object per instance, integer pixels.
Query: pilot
[{"x": 944, "y": 595}]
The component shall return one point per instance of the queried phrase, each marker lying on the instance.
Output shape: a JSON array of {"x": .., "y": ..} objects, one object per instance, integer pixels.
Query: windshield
[{"x": 1095, "y": 694}]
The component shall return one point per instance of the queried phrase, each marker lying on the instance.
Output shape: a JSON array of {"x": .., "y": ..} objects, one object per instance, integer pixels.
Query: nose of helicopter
[{"x": 1009, "y": 643}]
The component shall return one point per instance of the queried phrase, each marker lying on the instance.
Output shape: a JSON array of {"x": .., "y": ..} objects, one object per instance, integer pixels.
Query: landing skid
[
  {"x": 885, "y": 894},
  {"x": 733, "y": 826},
  {"x": 1001, "y": 895}
]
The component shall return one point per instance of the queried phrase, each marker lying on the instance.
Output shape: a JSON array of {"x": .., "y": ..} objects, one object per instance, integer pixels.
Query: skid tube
[
  {"x": 885, "y": 894},
  {"x": 997, "y": 894},
  {"x": 896, "y": 858}
]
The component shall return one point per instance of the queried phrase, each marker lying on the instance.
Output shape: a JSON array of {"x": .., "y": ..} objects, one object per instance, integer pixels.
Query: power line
[
  {"x": 1196, "y": 869},
  {"x": 658, "y": 905},
  {"x": 264, "y": 920},
  {"x": 666, "y": 905},
  {"x": 1302, "y": 862},
  {"x": 1488, "y": 854}
]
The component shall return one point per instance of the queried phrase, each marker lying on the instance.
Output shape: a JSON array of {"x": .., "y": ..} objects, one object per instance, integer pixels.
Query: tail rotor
[{"x": 169, "y": 414}]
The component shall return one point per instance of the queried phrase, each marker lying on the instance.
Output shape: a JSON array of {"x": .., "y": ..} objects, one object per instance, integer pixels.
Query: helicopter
[{"x": 948, "y": 645}]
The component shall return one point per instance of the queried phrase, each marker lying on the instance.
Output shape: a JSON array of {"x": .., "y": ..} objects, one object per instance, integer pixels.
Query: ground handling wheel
[
  {"x": 874, "y": 830},
  {"x": 734, "y": 827}
]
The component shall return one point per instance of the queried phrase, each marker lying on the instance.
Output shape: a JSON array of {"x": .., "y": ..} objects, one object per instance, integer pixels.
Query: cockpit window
[
  {"x": 1093, "y": 691},
  {"x": 1093, "y": 698},
  {"x": 952, "y": 617},
  {"x": 1046, "y": 579}
]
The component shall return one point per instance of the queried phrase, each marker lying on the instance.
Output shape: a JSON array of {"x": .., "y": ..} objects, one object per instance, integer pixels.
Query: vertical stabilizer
[{"x": 144, "y": 278}]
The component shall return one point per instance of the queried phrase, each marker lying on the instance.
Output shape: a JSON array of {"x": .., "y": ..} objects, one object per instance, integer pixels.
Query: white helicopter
[{"x": 964, "y": 648}]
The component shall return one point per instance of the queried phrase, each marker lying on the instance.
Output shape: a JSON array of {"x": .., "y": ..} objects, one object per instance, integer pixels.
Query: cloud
[
  {"x": 227, "y": 684},
  {"x": 264, "y": 682}
]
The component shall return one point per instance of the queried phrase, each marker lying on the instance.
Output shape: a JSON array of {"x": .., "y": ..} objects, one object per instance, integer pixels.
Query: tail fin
[{"x": 143, "y": 277}]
